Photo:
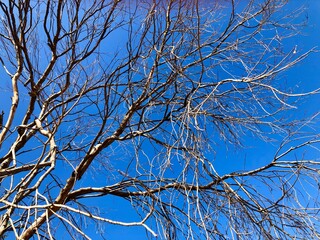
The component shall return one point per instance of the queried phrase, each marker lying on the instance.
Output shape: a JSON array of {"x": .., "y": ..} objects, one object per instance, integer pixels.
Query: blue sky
[{"x": 304, "y": 77}]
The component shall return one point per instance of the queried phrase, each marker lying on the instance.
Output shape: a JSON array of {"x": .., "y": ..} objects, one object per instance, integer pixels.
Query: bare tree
[{"x": 131, "y": 101}]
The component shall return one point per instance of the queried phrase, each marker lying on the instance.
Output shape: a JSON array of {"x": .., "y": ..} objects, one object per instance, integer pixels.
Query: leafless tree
[{"x": 133, "y": 102}]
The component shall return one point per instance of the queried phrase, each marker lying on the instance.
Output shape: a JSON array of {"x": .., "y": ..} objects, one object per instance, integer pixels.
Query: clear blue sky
[{"x": 306, "y": 76}]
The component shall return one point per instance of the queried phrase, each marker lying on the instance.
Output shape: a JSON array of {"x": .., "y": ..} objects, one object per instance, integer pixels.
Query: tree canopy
[{"x": 135, "y": 107}]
